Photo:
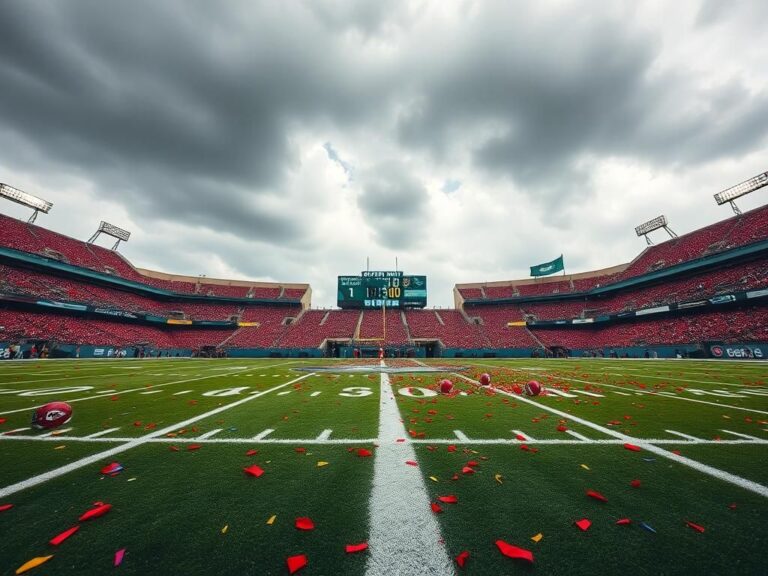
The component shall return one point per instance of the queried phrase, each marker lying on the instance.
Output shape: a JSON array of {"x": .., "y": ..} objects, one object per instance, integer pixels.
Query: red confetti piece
[
  {"x": 451, "y": 448},
  {"x": 623, "y": 522},
  {"x": 352, "y": 548},
  {"x": 296, "y": 563},
  {"x": 435, "y": 507},
  {"x": 473, "y": 463},
  {"x": 635, "y": 483},
  {"x": 193, "y": 447},
  {"x": 2, "y": 420},
  {"x": 467, "y": 470},
  {"x": 583, "y": 524},
  {"x": 400, "y": 440},
  {"x": 562, "y": 428},
  {"x": 450, "y": 499},
  {"x": 305, "y": 523},
  {"x": 138, "y": 423},
  {"x": 56, "y": 540},
  {"x": 520, "y": 437},
  {"x": 632, "y": 447},
  {"x": 676, "y": 452},
  {"x": 4, "y": 507},
  {"x": 119, "y": 556},
  {"x": 300, "y": 450},
  {"x": 253, "y": 470},
  {"x": 461, "y": 559},
  {"x": 111, "y": 468},
  {"x": 411, "y": 463},
  {"x": 524, "y": 447},
  {"x": 596, "y": 495},
  {"x": 455, "y": 477},
  {"x": 252, "y": 452},
  {"x": 100, "y": 510},
  {"x": 514, "y": 552},
  {"x": 363, "y": 453},
  {"x": 696, "y": 527},
  {"x": 731, "y": 506},
  {"x": 174, "y": 448}
]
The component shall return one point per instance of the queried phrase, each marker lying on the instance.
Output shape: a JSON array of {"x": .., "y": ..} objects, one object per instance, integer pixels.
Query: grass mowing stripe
[
  {"x": 715, "y": 472},
  {"x": 55, "y": 473},
  {"x": 405, "y": 536},
  {"x": 602, "y": 384}
]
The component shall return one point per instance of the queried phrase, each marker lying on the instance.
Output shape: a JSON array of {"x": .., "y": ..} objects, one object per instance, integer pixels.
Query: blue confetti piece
[
  {"x": 650, "y": 459},
  {"x": 647, "y": 527}
]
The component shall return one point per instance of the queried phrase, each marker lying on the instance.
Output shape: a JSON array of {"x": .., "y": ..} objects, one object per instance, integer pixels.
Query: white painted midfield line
[
  {"x": 87, "y": 461},
  {"x": 405, "y": 536},
  {"x": 643, "y": 444}
]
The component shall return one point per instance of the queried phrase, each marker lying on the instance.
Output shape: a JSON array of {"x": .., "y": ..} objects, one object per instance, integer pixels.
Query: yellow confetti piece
[
  {"x": 538, "y": 537},
  {"x": 726, "y": 417},
  {"x": 130, "y": 479},
  {"x": 272, "y": 519},
  {"x": 224, "y": 530},
  {"x": 499, "y": 478},
  {"x": 434, "y": 479},
  {"x": 57, "y": 433},
  {"x": 320, "y": 464},
  {"x": 585, "y": 467},
  {"x": 35, "y": 562},
  {"x": 60, "y": 447}
]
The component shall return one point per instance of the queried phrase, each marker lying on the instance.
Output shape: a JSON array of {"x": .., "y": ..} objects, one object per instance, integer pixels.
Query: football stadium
[{"x": 486, "y": 410}]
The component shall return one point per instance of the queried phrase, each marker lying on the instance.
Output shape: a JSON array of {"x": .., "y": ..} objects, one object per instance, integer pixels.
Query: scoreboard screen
[{"x": 382, "y": 289}]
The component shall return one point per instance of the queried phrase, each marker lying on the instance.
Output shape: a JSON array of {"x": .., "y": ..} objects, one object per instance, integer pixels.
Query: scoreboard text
[{"x": 373, "y": 289}]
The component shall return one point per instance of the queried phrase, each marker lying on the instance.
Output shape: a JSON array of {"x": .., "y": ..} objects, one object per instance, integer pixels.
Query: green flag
[{"x": 548, "y": 268}]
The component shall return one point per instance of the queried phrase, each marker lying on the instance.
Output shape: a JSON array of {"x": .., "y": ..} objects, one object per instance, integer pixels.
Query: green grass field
[{"x": 518, "y": 467}]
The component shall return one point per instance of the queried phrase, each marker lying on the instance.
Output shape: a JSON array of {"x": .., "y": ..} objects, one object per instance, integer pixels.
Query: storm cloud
[{"x": 292, "y": 140}]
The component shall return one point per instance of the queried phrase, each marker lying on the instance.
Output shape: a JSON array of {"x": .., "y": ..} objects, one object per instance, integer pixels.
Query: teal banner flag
[{"x": 548, "y": 268}]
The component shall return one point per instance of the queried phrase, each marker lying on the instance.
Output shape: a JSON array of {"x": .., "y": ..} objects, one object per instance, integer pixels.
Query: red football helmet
[
  {"x": 532, "y": 388},
  {"x": 485, "y": 379},
  {"x": 446, "y": 386},
  {"x": 51, "y": 415}
]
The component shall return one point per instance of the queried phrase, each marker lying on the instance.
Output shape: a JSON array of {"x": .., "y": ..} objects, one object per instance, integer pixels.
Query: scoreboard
[{"x": 374, "y": 289}]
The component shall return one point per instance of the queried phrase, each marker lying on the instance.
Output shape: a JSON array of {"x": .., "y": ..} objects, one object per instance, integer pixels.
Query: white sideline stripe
[
  {"x": 404, "y": 533},
  {"x": 358, "y": 441},
  {"x": 209, "y": 434},
  {"x": 156, "y": 386},
  {"x": 315, "y": 393},
  {"x": 644, "y": 444},
  {"x": 263, "y": 434},
  {"x": 577, "y": 435},
  {"x": 56, "y": 472},
  {"x": 102, "y": 432},
  {"x": 740, "y": 435},
  {"x": 686, "y": 436},
  {"x": 666, "y": 394},
  {"x": 151, "y": 392},
  {"x": 461, "y": 436},
  {"x": 325, "y": 434},
  {"x": 518, "y": 433},
  {"x": 182, "y": 392}
]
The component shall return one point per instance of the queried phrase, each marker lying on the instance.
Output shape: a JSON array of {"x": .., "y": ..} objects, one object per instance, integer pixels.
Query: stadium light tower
[
  {"x": 730, "y": 194},
  {"x": 16, "y": 195},
  {"x": 111, "y": 230},
  {"x": 655, "y": 224}
]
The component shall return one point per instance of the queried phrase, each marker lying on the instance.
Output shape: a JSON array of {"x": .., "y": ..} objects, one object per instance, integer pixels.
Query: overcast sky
[{"x": 288, "y": 141}]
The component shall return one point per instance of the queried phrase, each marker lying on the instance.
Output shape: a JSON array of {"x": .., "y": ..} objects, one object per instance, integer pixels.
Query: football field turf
[{"x": 236, "y": 466}]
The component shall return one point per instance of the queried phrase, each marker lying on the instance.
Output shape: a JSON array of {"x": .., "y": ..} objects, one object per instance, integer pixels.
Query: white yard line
[
  {"x": 681, "y": 435},
  {"x": 143, "y": 388},
  {"x": 461, "y": 436},
  {"x": 87, "y": 461},
  {"x": 740, "y": 435},
  {"x": 209, "y": 434},
  {"x": 643, "y": 444},
  {"x": 404, "y": 533},
  {"x": 664, "y": 394},
  {"x": 577, "y": 435}
]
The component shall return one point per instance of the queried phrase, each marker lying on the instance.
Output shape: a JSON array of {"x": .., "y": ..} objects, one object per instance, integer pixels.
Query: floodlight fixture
[
  {"x": 654, "y": 224},
  {"x": 111, "y": 230},
  {"x": 730, "y": 194},
  {"x": 25, "y": 199}
]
